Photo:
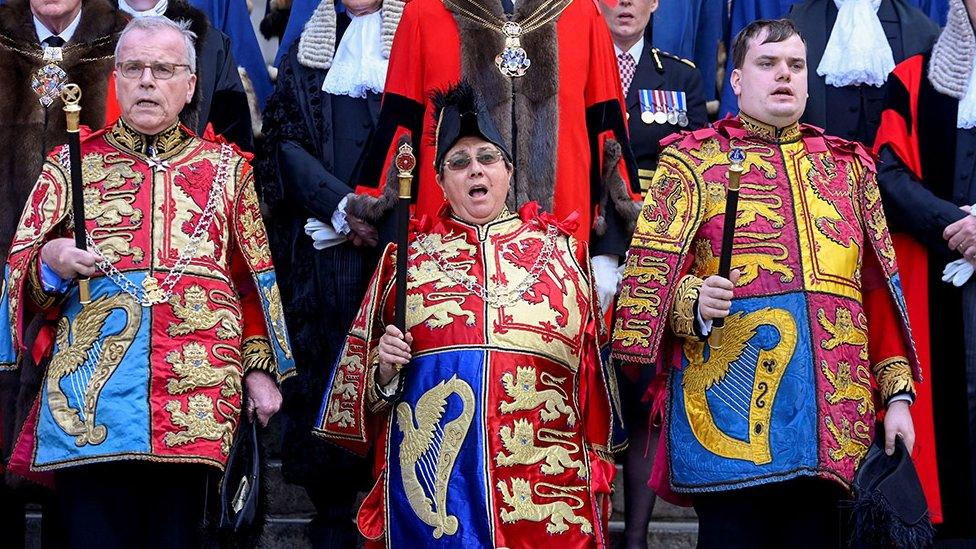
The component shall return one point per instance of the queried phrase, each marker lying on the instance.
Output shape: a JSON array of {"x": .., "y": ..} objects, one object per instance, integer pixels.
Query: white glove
[
  {"x": 957, "y": 272},
  {"x": 323, "y": 235},
  {"x": 607, "y": 277}
]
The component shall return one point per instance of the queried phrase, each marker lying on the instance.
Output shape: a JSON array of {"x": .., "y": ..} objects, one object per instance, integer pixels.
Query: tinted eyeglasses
[
  {"x": 160, "y": 71},
  {"x": 462, "y": 160}
]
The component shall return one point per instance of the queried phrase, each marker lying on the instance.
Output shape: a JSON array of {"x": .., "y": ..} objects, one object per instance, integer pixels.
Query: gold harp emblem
[
  {"x": 90, "y": 360},
  {"x": 742, "y": 377},
  {"x": 429, "y": 450}
]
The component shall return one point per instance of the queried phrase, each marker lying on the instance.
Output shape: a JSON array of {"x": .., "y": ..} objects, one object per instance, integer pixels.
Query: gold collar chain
[
  {"x": 49, "y": 79},
  {"x": 506, "y": 295},
  {"x": 513, "y": 61},
  {"x": 151, "y": 291}
]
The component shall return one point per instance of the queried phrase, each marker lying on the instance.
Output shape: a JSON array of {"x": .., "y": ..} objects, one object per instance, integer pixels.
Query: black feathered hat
[
  {"x": 460, "y": 113},
  {"x": 889, "y": 506}
]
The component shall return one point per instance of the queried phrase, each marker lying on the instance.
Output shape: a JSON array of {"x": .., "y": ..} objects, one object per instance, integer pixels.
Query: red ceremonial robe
[
  {"x": 562, "y": 110},
  {"x": 917, "y": 146}
]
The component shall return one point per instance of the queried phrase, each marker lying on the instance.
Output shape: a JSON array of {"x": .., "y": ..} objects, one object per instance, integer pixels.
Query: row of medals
[{"x": 672, "y": 116}]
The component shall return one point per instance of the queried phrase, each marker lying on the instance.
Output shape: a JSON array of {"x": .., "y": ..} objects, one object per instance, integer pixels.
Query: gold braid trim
[
  {"x": 257, "y": 354},
  {"x": 602, "y": 452},
  {"x": 683, "y": 312},
  {"x": 374, "y": 402},
  {"x": 35, "y": 288},
  {"x": 894, "y": 375}
]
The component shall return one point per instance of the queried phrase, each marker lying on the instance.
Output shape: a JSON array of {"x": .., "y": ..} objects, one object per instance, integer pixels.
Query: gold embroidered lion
[
  {"x": 341, "y": 387},
  {"x": 338, "y": 415},
  {"x": 761, "y": 252},
  {"x": 115, "y": 242},
  {"x": 520, "y": 442},
  {"x": 432, "y": 305},
  {"x": 199, "y": 422},
  {"x": 633, "y": 332},
  {"x": 521, "y": 388},
  {"x": 639, "y": 299},
  {"x": 195, "y": 314},
  {"x": 112, "y": 169},
  {"x": 846, "y": 387},
  {"x": 558, "y": 513},
  {"x": 109, "y": 208},
  {"x": 844, "y": 331},
  {"x": 847, "y": 440},
  {"x": 192, "y": 365}
]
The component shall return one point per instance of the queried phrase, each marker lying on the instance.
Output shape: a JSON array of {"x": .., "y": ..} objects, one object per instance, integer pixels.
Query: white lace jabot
[
  {"x": 359, "y": 65},
  {"x": 857, "y": 51}
]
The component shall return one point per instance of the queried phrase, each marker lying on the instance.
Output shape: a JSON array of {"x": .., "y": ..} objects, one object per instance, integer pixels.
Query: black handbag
[
  {"x": 240, "y": 485},
  {"x": 889, "y": 505}
]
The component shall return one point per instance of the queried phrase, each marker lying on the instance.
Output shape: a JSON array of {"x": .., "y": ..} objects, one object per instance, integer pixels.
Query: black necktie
[{"x": 54, "y": 41}]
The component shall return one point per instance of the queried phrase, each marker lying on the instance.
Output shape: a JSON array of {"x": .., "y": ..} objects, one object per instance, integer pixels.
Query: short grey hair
[{"x": 156, "y": 23}]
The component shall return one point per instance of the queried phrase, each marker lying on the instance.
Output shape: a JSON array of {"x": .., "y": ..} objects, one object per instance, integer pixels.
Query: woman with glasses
[{"x": 491, "y": 417}]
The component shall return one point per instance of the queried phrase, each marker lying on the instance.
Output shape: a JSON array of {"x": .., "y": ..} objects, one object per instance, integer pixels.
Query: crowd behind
[{"x": 349, "y": 78}]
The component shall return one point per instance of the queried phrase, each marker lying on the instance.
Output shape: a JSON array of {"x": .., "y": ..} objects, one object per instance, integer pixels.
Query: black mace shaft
[
  {"x": 71, "y": 95},
  {"x": 405, "y": 163},
  {"x": 728, "y": 235}
]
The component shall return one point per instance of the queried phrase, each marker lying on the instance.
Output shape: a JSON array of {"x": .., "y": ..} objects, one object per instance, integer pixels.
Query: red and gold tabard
[
  {"x": 184, "y": 302},
  {"x": 818, "y": 311},
  {"x": 502, "y": 435}
]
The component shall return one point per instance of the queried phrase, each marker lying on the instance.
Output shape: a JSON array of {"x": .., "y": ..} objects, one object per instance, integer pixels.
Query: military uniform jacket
[
  {"x": 657, "y": 70},
  {"x": 183, "y": 303},
  {"x": 818, "y": 308},
  {"x": 501, "y": 435}
]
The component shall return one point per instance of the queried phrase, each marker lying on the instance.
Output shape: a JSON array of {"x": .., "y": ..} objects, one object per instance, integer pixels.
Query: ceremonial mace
[
  {"x": 405, "y": 163},
  {"x": 728, "y": 234},
  {"x": 71, "y": 95}
]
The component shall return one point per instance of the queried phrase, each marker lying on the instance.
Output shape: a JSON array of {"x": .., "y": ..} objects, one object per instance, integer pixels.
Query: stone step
[{"x": 281, "y": 532}]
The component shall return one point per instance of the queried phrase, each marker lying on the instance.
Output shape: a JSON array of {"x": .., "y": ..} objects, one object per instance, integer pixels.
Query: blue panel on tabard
[
  {"x": 8, "y": 355},
  {"x": 285, "y": 360},
  {"x": 793, "y": 424},
  {"x": 123, "y": 403},
  {"x": 467, "y": 485}
]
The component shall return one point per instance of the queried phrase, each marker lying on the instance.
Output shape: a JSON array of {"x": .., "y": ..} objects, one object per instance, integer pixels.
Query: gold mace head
[
  {"x": 405, "y": 163},
  {"x": 71, "y": 95}
]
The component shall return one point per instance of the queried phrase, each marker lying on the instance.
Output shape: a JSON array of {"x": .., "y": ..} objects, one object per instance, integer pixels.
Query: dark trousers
[
  {"x": 799, "y": 513},
  {"x": 133, "y": 504}
]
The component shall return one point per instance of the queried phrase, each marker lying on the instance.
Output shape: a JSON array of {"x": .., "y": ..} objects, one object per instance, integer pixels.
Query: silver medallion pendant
[
  {"x": 47, "y": 83},
  {"x": 512, "y": 62}
]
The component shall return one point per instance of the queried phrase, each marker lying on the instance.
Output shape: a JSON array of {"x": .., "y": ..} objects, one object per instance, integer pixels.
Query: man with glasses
[
  {"x": 220, "y": 99},
  {"x": 143, "y": 392}
]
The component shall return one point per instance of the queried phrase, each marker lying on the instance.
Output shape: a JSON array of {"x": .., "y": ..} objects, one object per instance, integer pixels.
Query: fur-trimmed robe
[
  {"x": 28, "y": 131},
  {"x": 569, "y": 101}
]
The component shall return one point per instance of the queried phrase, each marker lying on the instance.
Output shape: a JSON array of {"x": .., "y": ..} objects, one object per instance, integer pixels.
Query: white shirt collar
[
  {"x": 635, "y": 51},
  {"x": 43, "y": 33},
  {"x": 158, "y": 9}
]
